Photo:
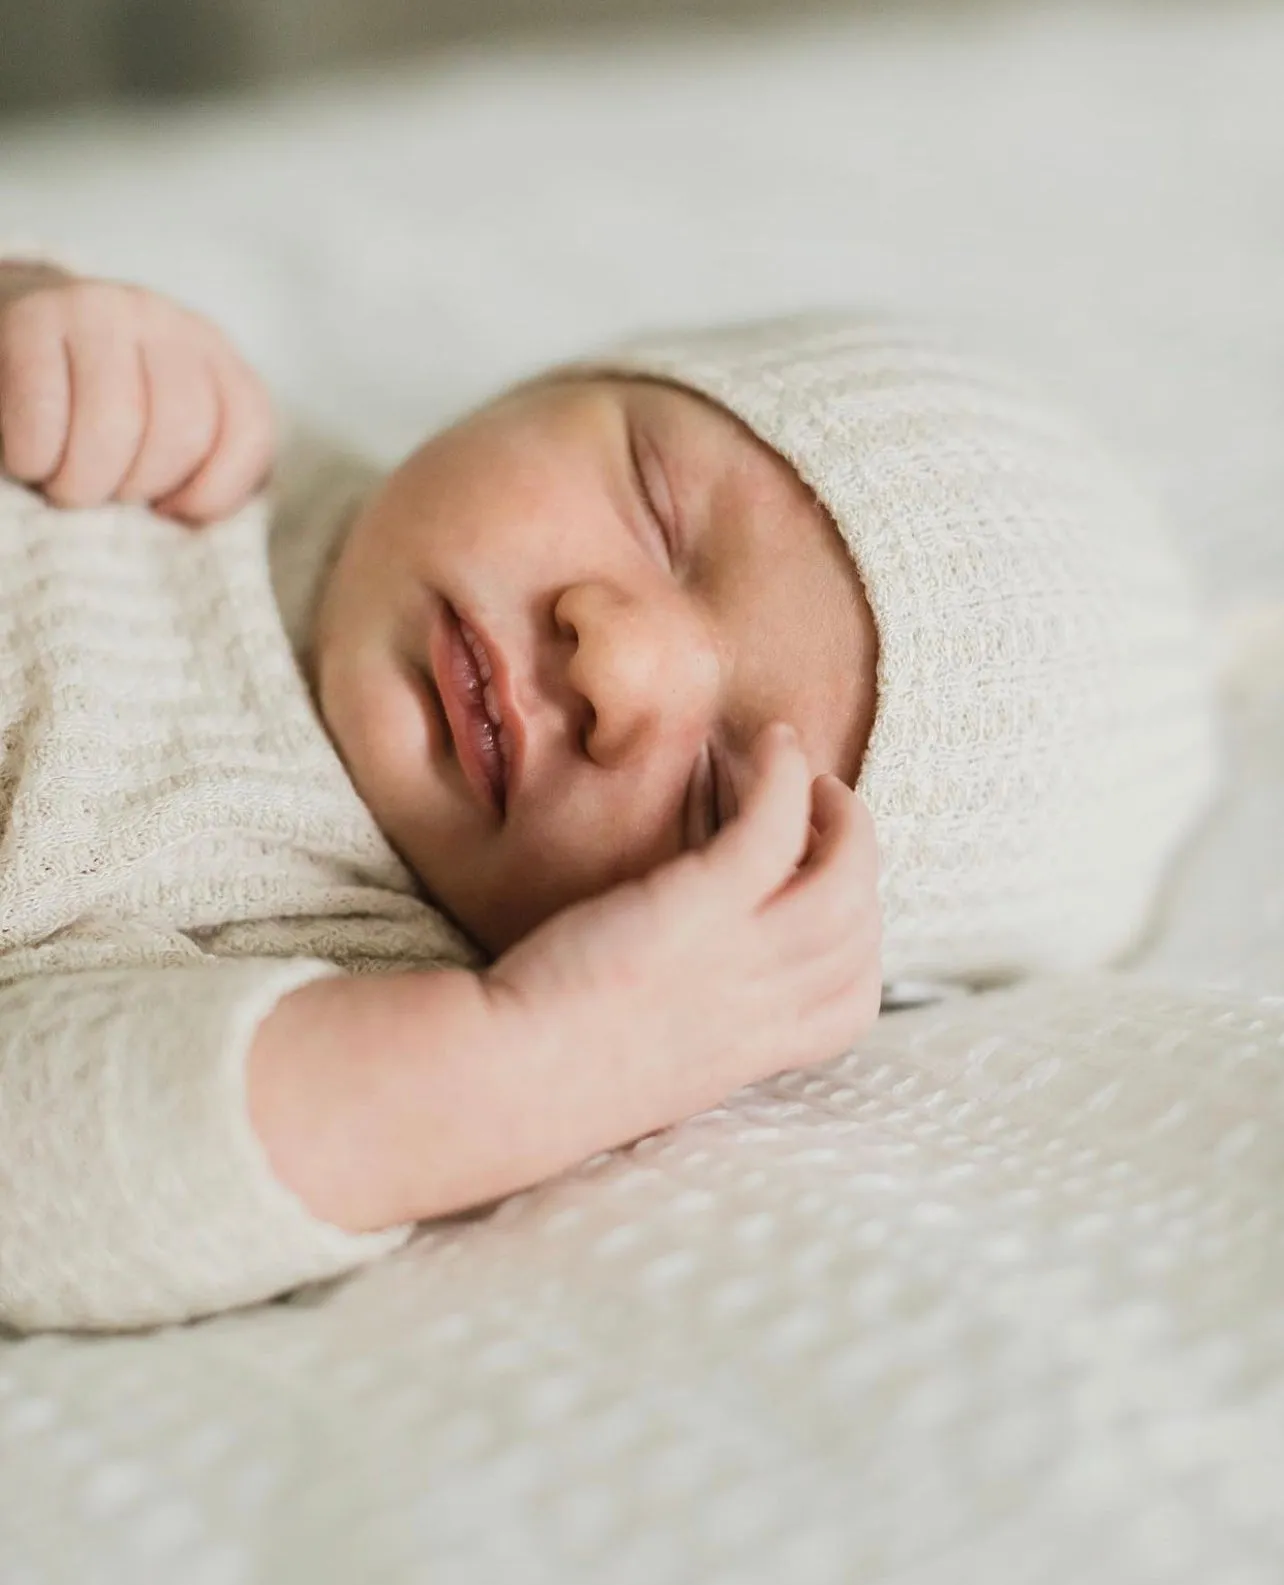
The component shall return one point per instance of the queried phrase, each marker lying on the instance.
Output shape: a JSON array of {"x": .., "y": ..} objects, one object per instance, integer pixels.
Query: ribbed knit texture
[
  {"x": 1045, "y": 735},
  {"x": 180, "y": 846}
]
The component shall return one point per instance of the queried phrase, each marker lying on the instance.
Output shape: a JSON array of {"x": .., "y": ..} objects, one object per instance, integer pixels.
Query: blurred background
[
  {"x": 55, "y": 52},
  {"x": 396, "y": 206}
]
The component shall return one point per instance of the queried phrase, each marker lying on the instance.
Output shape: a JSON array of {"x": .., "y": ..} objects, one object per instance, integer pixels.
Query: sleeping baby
[{"x": 375, "y": 846}]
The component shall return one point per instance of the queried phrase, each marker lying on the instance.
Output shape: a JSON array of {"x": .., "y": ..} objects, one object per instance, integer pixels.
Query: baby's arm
[
  {"x": 189, "y": 1135},
  {"x": 412, "y": 1096},
  {"x": 114, "y": 393}
]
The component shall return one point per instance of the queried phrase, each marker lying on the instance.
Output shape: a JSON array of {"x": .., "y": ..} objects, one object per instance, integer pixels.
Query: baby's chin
[{"x": 476, "y": 938}]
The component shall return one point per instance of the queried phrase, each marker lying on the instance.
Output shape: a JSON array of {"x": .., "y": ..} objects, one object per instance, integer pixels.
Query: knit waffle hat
[{"x": 1045, "y": 735}]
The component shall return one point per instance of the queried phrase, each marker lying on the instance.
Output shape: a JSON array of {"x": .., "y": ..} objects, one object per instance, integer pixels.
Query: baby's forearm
[
  {"x": 348, "y": 1089},
  {"x": 395, "y": 1098}
]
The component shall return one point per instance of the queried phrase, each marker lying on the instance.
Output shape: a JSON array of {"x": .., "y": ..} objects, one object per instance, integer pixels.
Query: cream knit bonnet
[{"x": 1045, "y": 735}]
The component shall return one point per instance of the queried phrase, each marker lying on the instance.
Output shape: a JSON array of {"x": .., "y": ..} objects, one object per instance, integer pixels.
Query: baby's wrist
[{"x": 604, "y": 1066}]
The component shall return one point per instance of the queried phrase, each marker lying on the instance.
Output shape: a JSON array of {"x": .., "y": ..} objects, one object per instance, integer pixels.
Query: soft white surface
[{"x": 999, "y": 1296}]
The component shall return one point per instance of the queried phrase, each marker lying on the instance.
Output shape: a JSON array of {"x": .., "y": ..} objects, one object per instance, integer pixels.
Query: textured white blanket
[{"x": 996, "y": 1298}]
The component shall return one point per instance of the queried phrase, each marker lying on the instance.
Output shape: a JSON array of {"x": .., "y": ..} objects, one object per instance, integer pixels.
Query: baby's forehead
[
  {"x": 715, "y": 451},
  {"x": 721, "y": 442},
  {"x": 716, "y": 464}
]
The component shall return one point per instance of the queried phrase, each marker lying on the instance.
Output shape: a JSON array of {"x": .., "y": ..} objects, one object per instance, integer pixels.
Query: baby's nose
[{"x": 647, "y": 669}]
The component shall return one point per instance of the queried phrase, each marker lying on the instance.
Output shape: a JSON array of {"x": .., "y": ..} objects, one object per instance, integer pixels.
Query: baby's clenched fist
[{"x": 114, "y": 393}]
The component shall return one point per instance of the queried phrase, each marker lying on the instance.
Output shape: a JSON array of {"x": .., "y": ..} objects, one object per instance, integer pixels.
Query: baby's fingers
[
  {"x": 108, "y": 414},
  {"x": 35, "y": 389},
  {"x": 760, "y": 849},
  {"x": 834, "y": 895},
  {"x": 242, "y": 452},
  {"x": 182, "y": 419},
  {"x": 840, "y": 816}
]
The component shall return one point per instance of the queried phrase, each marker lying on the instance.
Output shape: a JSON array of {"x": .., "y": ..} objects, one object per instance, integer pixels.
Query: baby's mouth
[{"x": 463, "y": 675}]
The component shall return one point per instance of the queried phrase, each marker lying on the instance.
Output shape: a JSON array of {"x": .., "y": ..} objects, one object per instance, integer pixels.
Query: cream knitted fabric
[
  {"x": 1045, "y": 734},
  {"x": 180, "y": 847}
]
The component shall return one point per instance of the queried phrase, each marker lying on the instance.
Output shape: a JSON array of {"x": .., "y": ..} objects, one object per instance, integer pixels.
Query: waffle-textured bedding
[{"x": 999, "y": 1295}]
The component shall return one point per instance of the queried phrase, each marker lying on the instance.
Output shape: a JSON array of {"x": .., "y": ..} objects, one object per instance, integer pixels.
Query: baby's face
[{"x": 638, "y": 671}]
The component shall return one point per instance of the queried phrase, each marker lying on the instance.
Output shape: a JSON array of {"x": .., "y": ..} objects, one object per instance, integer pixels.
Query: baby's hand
[
  {"x": 757, "y": 953},
  {"x": 115, "y": 393}
]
